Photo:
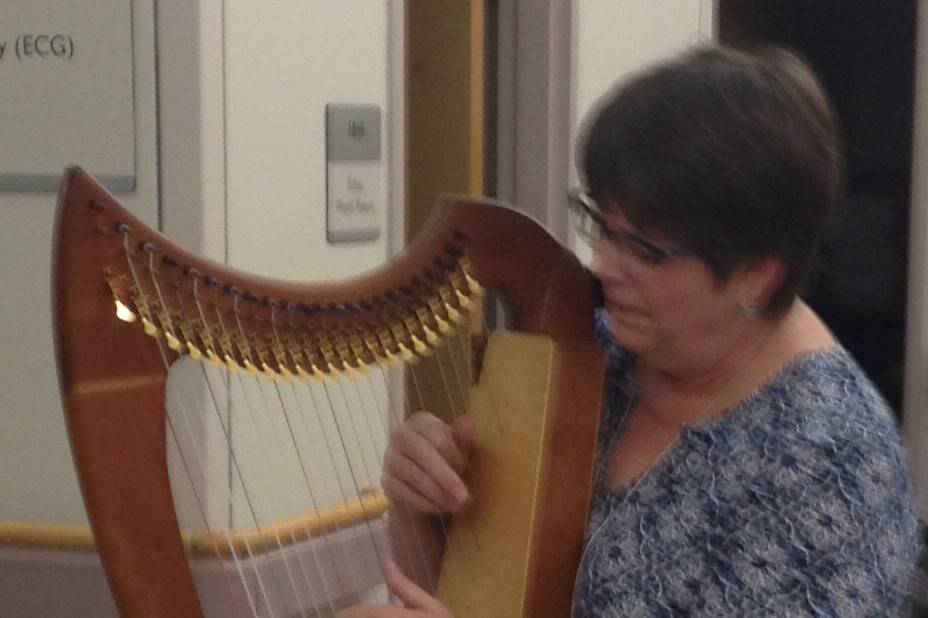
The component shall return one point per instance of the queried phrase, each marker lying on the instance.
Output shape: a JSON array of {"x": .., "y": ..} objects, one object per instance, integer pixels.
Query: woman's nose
[{"x": 605, "y": 264}]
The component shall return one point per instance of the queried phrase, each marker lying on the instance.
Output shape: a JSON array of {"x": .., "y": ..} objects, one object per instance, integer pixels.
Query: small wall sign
[
  {"x": 354, "y": 192},
  {"x": 67, "y": 94}
]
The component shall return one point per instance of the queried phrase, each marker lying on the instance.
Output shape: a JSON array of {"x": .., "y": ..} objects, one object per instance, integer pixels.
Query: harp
[{"x": 514, "y": 554}]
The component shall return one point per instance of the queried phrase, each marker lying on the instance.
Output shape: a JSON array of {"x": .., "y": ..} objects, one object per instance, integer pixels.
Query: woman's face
[{"x": 671, "y": 313}]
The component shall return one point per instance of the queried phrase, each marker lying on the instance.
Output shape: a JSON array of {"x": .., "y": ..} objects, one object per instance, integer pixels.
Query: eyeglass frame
[{"x": 581, "y": 203}]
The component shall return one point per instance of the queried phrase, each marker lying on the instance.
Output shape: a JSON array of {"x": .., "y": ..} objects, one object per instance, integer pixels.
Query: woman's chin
[{"x": 627, "y": 336}]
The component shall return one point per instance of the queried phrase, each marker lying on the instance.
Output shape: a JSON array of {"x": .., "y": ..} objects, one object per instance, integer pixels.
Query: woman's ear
[{"x": 758, "y": 280}]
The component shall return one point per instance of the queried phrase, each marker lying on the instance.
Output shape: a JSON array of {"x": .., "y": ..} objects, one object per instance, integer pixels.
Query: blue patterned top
[{"x": 797, "y": 502}]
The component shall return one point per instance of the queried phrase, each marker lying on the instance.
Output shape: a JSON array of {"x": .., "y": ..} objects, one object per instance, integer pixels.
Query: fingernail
[{"x": 461, "y": 495}]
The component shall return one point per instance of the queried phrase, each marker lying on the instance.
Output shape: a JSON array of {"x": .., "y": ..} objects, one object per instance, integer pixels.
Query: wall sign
[
  {"x": 67, "y": 94},
  {"x": 354, "y": 192}
]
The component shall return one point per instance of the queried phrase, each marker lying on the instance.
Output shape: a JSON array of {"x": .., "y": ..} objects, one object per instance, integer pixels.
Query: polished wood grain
[{"x": 112, "y": 375}]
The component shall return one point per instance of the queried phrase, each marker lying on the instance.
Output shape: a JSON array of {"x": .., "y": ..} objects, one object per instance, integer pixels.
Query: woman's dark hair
[{"x": 735, "y": 157}]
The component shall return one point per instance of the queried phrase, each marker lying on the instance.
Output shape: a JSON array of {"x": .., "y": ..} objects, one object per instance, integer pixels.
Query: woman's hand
[
  {"x": 425, "y": 461},
  {"x": 417, "y": 602}
]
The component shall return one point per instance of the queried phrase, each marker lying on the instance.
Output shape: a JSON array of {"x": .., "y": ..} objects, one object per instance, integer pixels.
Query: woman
[{"x": 746, "y": 464}]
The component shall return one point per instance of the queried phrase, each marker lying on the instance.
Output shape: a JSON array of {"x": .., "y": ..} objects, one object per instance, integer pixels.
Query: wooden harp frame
[{"x": 112, "y": 378}]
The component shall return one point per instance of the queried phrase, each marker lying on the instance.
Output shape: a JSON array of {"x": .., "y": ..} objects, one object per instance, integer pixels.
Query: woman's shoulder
[
  {"x": 821, "y": 414},
  {"x": 814, "y": 464},
  {"x": 821, "y": 432},
  {"x": 824, "y": 396}
]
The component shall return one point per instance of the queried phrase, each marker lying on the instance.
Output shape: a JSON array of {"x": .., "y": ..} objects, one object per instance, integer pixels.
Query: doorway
[{"x": 864, "y": 54}]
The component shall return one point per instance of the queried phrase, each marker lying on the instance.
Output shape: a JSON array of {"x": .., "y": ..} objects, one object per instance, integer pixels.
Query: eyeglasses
[{"x": 593, "y": 228}]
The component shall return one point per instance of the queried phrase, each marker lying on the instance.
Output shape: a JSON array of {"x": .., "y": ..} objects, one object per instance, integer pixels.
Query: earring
[{"x": 748, "y": 309}]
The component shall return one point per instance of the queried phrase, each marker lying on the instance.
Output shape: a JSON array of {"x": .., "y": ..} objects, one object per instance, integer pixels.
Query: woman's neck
[{"x": 696, "y": 387}]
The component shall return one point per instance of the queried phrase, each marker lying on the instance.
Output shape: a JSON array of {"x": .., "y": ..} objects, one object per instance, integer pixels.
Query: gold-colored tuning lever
[
  {"x": 278, "y": 349},
  {"x": 244, "y": 351},
  {"x": 431, "y": 337},
  {"x": 124, "y": 313},
  {"x": 122, "y": 310},
  {"x": 454, "y": 315},
  {"x": 401, "y": 336},
  {"x": 472, "y": 284},
  {"x": 150, "y": 329},
  {"x": 173, "y": 342},
  {"x": 227, "y": 356},
  {"x": 187, "y": 331},
  {"x": 263, "y": 361},
  {"x": 386, "y": 343},
  {"x": 297, "y": 356},
  {"x": 436, "y": 307}
]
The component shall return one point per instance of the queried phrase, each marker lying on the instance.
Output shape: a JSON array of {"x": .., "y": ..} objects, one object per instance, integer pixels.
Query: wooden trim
[
  {"x": 476, "y": 105},
  {"x": 49, "y": 536},
  {"x": 120, "y": 456},
  {"x": 289, "y": 531},
  {"x": 445, "y": 103},
  {"x": 370, "y": 506},
  {"x": 914, "y": 420}
]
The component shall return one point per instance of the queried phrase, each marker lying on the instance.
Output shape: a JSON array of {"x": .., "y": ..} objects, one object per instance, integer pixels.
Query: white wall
[
  {"x": 245, "y": 183},
  {"x": 37, "y": 479},
  {"x": 284, "y": 61},
  {"x": 243, "y": 87},
  {"x": 615, "y": 38}
]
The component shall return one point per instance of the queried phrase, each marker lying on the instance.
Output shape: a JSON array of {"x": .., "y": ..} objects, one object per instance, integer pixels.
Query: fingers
[
  {"x": 412, "y": 596},
  {"x": 424, "y": 463},
  {"x": 417, "y": 602},
  {"x": 439, "y": 436},
  {"x": 438, "y": 456},
  {"x": 374, "y": 611},
  {"x": 405, "y": 482},
  {"x": 464, "y": 430}
]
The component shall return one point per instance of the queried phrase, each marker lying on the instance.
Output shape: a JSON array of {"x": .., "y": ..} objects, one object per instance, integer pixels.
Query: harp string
[
  {"x": 125, "y": 233},
  {"x": 351, "y": 467},
  {"x": 243, "y": 345},
  {"x": 339, "y": 483},
  {"x": 417, "y": 540},
  {"x": 365, "y": 414},
  {"x": 243, "y": 484},
  {"x": 463, "y": 334},
  {"x": 461, "y": 337},
  {"x": 202, "y": 512},
  {"x": 174, "y": 344},
  {"x": 260, "y": 436},
  {"x": 305, "y": 474},
  {"x": 302, "y": 416},
  {"x": 441, "y": 520},
  {"x": 227, "y": 434},
  {"x": 313, "y": 499},
  {"x": 236, "y": 558},
  {"x": 182, "y": 454},
  {"x": 286, "y": 414},
  {"x": 266, "y": 415},
  {"x": 296, "y": 447}
]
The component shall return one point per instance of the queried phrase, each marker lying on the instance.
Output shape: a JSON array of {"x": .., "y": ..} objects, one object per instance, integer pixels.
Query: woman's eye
[{"x": 640, "y": 252}]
